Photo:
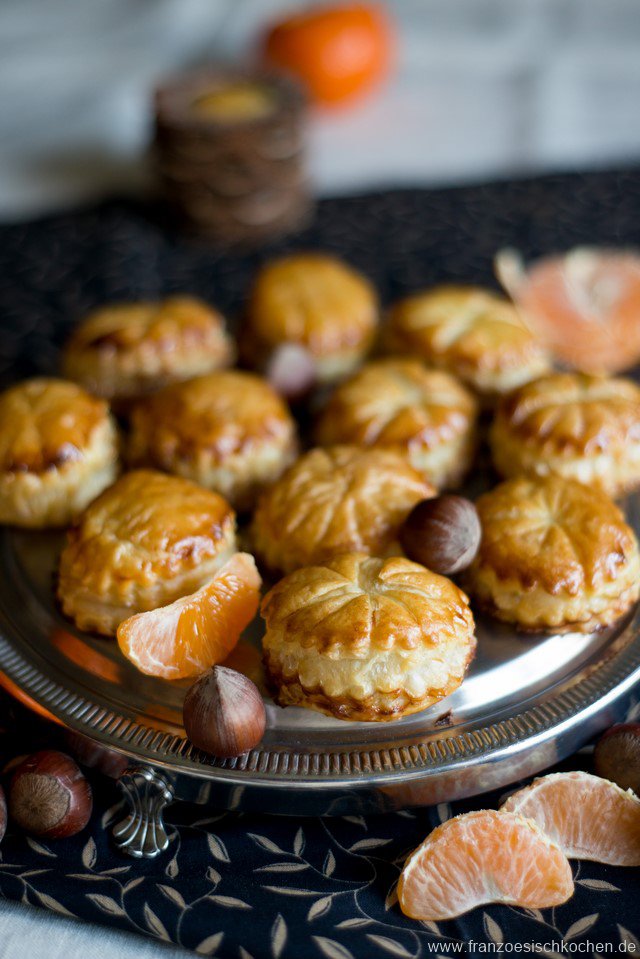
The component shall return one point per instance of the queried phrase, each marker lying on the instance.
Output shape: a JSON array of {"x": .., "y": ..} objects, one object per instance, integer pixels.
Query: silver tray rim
[{"x": 552, "y": 717}]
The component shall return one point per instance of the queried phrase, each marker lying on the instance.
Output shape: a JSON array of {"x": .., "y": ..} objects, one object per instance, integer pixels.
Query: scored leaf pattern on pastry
[{"x": 334, "y": 500}]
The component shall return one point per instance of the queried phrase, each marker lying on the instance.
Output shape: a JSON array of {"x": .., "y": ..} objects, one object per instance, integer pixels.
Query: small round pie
[
  {"x": 145, "y": 542},
  {"x": 228, "y": 431},
  {"x": 574, "y": 425},
  {"x": 555, "y": 555},
  {"x": 315, "y": 301},
  {"x": 58, "y": 451},
  {"x": 470, "y": 332},
  {"x": 397, "y": 404},
  {"x": 366, "y": 639},
  {"x": 126, "y": 350},
  {"x": 336, "y": 500}
]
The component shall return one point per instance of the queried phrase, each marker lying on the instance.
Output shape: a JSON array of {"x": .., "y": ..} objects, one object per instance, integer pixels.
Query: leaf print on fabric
[
  {"x": 106, "y": 904},
  {"x": 267, "y": 844},
  {"x": 278, "y": 936},
  {"x": 172, "y": 895},
  {"x": 354, "y": 923},
  {"x": 213, "y": 875},
  {"x": 390, "y": 946},
  {"x": 332, "y": 949},
  {"x": 581, "y": 926},
  {"x": 173, "y": 868},
  {"x": 492, "y": 929},
  {"x": 298, "y": 843},
  {"x": 363, "y": 844},
  {"x": 133, "y": 884},
  {"x": 356, "y": 820},
  {"x": 598, "y": 884},
  {"x": 89, "y": 854},
  {"x": 86, "y": 876},
  {"x": 629, "y": 939},
  {"x": 288, "y": 891},
  {"x": 39, "y": 848},
  {"x": 230, "y": 902},
  {"x": 391, "y": 898},
  {"x": 217, "y": 848},
  {"x": 209, "y": 946},
  {"x": 319, "y": 908},
  {"x": 210, "y": 820},
  {"x": 284, "y": 867},
  {"x": 50, "y": 903},
  {"x": 154, "y": 923},
  {"x": 329, "y": 864}
]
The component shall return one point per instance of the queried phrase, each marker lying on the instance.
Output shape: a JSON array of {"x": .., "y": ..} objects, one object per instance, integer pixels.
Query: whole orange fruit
[{"x": 338, "y": 52}]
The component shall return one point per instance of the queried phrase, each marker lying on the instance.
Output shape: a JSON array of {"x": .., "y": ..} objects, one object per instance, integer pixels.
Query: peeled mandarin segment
[
  {"x": 586, "y": 306},
  {"x": 480, "y": 858},
  {"x": 588, "y": 817},
  {"x": 197, "y": 631}
]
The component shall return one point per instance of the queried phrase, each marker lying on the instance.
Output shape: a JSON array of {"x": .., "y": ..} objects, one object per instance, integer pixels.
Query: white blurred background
[{"x": 483, "y": 88}]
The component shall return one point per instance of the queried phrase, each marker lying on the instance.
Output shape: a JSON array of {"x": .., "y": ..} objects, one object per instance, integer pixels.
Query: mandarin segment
[
  {"x": 588, "y": 817},
  {"x": 197, "y": 631},
  {"x": 480, "y": 858},
  {"x": 585, "y": 304}
]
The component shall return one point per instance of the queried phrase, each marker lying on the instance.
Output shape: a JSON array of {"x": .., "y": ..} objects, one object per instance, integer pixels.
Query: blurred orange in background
[{"x": 338, "y": 52}]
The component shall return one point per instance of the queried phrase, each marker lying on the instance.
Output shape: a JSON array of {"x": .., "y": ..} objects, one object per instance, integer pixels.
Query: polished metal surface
[
  {"x": 527, "y": 702},
  {"x": 142, "y": 834}
]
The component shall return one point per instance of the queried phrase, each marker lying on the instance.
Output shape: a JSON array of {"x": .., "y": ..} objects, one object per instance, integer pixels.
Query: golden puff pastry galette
[
  {"x": 336, "y": 500},
  {"x": 574, "y": 425},
  {"x": 555, "y": 555},
  {"x": 145, "y": 542},
  {"x": 364, "y": 638},
  {"x": 58, "y": 451},
  {"x": 397, "y": 404},
  {"x": 473, "y": 333},
  {"x": 126, "y": 350},
  {"x": 228, "y": 431},
  {"x": 315, "y": 301}
]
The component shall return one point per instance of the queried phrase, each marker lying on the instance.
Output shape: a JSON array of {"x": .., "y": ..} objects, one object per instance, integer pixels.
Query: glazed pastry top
[
  {"x": 573, "y": 413},
  {"x": 220, "y": 414},
  {"x": 45, "y": 423},
  {"x": 554, "y": 534},
  {"x": 399, "y": 403},
  {"x": 314, "y": 300}
]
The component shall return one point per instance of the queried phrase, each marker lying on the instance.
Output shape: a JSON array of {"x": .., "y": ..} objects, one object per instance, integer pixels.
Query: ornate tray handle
[{"x": 142, "y": 833}]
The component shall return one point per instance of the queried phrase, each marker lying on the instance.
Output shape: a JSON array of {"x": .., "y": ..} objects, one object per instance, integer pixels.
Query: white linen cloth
[{"x": 483, "y": 88}]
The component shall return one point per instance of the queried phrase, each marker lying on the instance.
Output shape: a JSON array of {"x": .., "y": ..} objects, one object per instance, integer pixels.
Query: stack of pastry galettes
[{"x": 355, "y": 629}]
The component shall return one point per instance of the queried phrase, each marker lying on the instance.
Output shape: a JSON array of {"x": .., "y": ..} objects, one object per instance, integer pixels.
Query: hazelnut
[
  {"x": 617, "y": 756},
  {"x": 442, "y": 534},
  {"x": 49, "y": 796},
  {"x": 224, "y": 713}
]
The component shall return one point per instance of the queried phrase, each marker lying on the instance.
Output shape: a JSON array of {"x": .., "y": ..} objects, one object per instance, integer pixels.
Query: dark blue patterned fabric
[
  {"x": 249, "y": 887},
  {"x": 238, "y": 886}
]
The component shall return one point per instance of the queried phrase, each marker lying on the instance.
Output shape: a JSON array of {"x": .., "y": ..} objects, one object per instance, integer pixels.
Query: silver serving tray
[{"x": 527, "y": 702}]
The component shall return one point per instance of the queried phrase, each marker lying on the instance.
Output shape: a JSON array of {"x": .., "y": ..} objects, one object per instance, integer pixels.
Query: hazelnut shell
[
  {"x": 49, "y": 796},
  {"x": 442, "y": 534},
  {"x": 224, "y": 713}
]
